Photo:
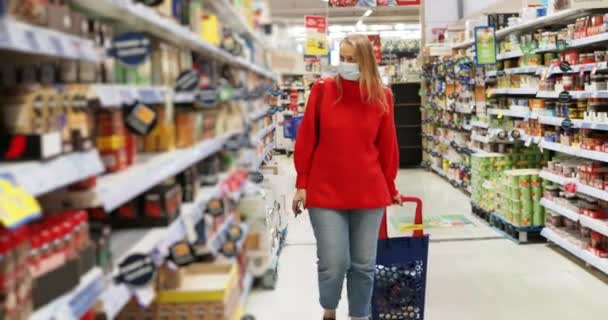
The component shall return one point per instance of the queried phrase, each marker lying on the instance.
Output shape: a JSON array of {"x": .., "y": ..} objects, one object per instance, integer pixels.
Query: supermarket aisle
[{"x": 471, "y": 277}]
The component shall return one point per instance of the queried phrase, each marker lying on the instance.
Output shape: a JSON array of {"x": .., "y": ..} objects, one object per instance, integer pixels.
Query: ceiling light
[
  {"x": 400, "y": 26},
  {"x": 335, "y": 28},
  {"x": 368, "y": 13},
  {"x": 380, "y": 27}
]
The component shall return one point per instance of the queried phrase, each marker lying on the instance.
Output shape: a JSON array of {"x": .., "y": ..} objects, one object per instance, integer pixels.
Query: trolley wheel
[
  {"x": 269, "y": 279},
  {"x": 248, "y": 317}
]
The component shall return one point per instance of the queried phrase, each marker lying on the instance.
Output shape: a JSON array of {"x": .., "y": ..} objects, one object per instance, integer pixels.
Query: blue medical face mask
[{"x": 349, "y": 71}]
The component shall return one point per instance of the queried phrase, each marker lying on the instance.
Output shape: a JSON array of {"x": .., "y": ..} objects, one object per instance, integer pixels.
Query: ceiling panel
[{"x": 293, "y": 11}]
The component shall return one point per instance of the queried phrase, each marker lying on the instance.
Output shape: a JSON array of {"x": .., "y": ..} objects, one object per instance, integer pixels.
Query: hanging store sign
[
  {"x": 316, "y": 35},
  {"x": 485, "y": 45},
  {"x": 131, "y": 48}
]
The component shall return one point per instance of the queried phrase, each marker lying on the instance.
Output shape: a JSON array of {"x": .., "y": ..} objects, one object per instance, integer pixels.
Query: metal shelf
[
  {"x": 590, "y": 258},
  {"x": 561, "y": 17},
  {"x": 40, "y": 177},
  {"x": 22, "y": 37},
  {"x": 140, "y": 17},
  {"x": 578, "y": 152},
  {"x": 580, "y": 188},
  {"x": 114, "y": 96},
  {"x": 74, "y": 304},
  {"x": 260, "y": 136},
  {"x": 597, "y": 225},
  {"x": 115, "y": 189},
  {"x": 262, "y": 158},
  {"x": 126, "y": 242},
  {"x": 513, "y": 113},
  {"x": 228, "y": 14}
]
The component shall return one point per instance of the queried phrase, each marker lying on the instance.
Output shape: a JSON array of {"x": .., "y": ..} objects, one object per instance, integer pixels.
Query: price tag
[
  {"x": 570, "y": 188},
  {"x": 31, "y": 40},
  {"x": 594, "y": 69},
  {"x": 581, "y": 72},
  {"x": 56, "y": 45},
  {"x": 500, "y": 115},
  {"x": 16, "y": 205},
  {"x": 528, "y": 141},
  {"x": 78, "y": 52},
  {"x": 148, "y": 96},
  {"x": 145, "y": 295}
]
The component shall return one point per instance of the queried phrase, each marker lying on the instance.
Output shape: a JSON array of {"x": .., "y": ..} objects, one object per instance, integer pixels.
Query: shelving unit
[
  {"x": 599, "y": 263},
  {"x": 160, "y": 151},
  {"x": 506, "y": 110},
  {"x": 115, "y": 189},
  {"x": 140, "y": 17}
]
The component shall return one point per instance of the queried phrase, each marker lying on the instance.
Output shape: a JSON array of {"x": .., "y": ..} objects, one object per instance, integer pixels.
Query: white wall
[
  {"x": 473, "y": 8},
  {"x": 439, "y": 13}
]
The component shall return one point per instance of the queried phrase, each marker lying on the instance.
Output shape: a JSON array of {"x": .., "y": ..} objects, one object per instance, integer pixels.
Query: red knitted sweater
[{"x": 346, "y": 151}]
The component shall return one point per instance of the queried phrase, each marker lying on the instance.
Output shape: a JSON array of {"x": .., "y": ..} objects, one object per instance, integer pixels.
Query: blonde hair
[{"x": 370, "y": 82}]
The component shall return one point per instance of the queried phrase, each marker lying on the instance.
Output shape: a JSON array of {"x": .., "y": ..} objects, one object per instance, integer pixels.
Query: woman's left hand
[{"x": 397, "y": 200}]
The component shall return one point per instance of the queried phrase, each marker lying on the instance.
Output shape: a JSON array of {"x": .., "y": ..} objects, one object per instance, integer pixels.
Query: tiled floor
[{"x": 471, "y": 277}]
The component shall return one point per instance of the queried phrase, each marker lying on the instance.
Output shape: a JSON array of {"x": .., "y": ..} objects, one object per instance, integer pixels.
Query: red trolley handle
[{"x": 417, "y": 220}]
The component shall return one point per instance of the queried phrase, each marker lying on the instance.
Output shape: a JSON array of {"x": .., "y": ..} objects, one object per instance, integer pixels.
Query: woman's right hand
[{"x": 299, "y": 201}]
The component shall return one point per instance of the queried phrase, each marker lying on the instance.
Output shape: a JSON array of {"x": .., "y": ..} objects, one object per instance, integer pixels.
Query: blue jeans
[{"x": 346, "y": 247}]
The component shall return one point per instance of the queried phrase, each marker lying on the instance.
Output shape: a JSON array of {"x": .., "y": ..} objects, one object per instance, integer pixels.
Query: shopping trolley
[
  {"x": 401, "y": 269},
  {"x": 291, "y": 126}
]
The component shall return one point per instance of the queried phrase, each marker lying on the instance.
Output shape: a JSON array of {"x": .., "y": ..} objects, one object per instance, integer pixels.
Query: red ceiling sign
[
  {"x": 373, "y": 3},
  {"x": 316, "y": 22}
]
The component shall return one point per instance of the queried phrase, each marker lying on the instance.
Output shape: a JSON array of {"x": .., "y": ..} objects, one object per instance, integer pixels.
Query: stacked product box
[
  {"x": 521, "y": 192},
  {"x": 487, "y": 169}
]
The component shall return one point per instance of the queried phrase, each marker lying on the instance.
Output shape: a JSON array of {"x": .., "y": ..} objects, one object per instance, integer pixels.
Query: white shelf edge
[
  {"x": 141, "y": 17},
  {"x": 227, "y": 13},
  {"x": 23, "y": 37},
  {"x": 480, "y": 124},
  {"x": 599, "y": 263},
  {"x": 258, "y": 138},
  {"x": 262, "y": 158},
  {"x": 59, "y": 308},
  {"x": 40, "y": 177},
  {"x": 541, "y": 21},
  {"x": 116, "y": 296},
  {"x": 580, "y": 188},
  {"x": 115, "y": 189},
  {"x": 581, "y": 153},
  {"x": 116, "y": 95}
]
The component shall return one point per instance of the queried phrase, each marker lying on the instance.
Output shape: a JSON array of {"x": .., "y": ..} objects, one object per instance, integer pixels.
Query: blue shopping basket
[
  {"x": 401, "y": 269},
  {"x": 291, "y": 126}
]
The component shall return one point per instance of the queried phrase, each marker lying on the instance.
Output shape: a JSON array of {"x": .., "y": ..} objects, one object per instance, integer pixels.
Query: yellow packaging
[
  {"x": 211, "y": 29},
  {"x": 202, "y": 282},
  {"x": 111, "y": 143}
]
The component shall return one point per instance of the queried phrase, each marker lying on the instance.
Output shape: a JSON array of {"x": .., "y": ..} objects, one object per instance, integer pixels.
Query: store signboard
[
  {"x": 485, "y": 45},
  {"x": 373, "y": 3},
  {"x": 377, "y": 46},
  {"x": 316, "y": 35}
]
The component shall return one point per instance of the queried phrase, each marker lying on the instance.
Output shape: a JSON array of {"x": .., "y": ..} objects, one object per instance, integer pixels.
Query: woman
[{"x": 346, "y": 156}]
